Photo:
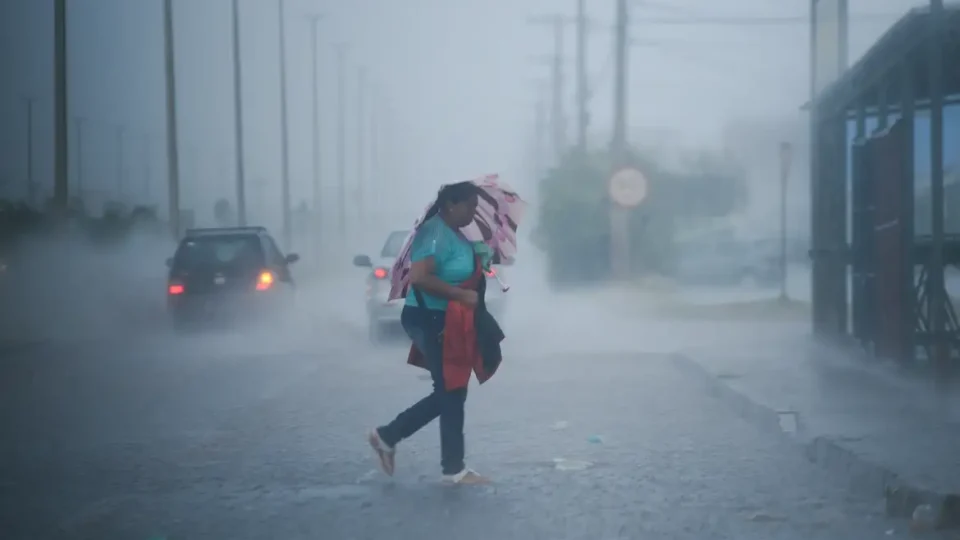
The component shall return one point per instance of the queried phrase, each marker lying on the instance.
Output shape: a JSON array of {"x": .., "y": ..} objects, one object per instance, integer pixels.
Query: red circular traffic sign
[{"x": 628, "y": 187}]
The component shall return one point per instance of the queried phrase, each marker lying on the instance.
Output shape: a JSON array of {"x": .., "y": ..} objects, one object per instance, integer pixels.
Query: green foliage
[
  {"x": 574, "y": 227},
  {"x": 19, "y": 221},
  {"x": 574, "y": 216},
  {"x": 714, "y": 186}
]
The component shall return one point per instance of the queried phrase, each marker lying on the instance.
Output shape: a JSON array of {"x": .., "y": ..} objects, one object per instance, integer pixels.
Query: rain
[{"x": 666, "y": 369}]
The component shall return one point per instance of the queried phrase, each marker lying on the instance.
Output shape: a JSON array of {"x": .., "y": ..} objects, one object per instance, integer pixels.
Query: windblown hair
[{"x": 452, "y": 194}]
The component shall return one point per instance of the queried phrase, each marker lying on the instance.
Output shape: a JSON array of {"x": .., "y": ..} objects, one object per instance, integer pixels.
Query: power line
[
  {"x": 602, "y": 77},
  {"x": 776, "y": 20},
  {"x": 582, "y": 83},
  {"x": 667, "y": 6}
]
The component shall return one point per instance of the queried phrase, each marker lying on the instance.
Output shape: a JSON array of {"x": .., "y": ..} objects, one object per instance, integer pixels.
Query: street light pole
[
  {"x": 147, "y": 170},
  {"x": 314, "y": 25},
  {"x": 31, "y": 185},
  {"x": 619, "y": 217},
  {"x": 238, "y": 117},
  {"x": 170, "y": 90},
  {"x": 786, "y": 156},
  {"x": 284, "y": 132},
  {"x": 78, "y": 122},
  {"x": 341, "y": 50},
  {"x": 61, "y": 115},
  {"x": 120, "y": 134},
  {"x": 374, "y": 151},
  {"x": 361, "y": 155}
]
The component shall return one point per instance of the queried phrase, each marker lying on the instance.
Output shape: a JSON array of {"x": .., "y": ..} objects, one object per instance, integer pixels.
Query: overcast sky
[{"x": 455, "y": 82}]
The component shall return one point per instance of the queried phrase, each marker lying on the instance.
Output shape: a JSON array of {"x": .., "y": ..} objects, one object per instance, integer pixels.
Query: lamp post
[{"x": 786, "y": 158}]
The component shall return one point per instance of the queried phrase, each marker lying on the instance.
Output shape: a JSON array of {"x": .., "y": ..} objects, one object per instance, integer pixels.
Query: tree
[
  {"x": 574, "y": 224},
  {"x": 574, "y": 227}
]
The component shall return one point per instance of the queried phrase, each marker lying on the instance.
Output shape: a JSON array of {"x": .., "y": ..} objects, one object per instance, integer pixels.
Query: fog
[
  {"x": 666, "y": 401},
  {"x": 452, "y": 93}
]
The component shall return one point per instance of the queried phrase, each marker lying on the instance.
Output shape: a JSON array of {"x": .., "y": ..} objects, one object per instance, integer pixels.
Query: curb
[{"x": 901, "y": 496}]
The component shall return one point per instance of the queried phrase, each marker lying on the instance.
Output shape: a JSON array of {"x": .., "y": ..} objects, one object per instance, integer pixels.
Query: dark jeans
[{"x": 425, "y": 328}]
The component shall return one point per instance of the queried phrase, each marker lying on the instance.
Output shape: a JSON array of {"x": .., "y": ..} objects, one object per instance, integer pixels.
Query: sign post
[{"x": 627, "y": 188}]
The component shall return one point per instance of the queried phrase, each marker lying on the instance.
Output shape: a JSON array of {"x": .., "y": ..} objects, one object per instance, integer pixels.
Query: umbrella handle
[{"x": 503, "y": 286}]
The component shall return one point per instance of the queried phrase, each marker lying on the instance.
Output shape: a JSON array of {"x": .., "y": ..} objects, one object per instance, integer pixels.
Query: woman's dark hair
[{"x": 452, "y": 194}]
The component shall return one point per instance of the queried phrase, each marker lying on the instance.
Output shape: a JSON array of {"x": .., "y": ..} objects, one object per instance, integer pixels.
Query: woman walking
[{"x": 444, "y": 275}]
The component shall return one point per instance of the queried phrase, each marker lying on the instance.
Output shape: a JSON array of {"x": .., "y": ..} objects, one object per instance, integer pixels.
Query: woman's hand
[{"x": 468, "y": 297}]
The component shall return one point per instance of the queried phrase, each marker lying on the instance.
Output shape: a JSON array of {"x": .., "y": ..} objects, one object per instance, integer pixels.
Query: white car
[
  {"x": 729, "y": 262},
  {"x": 384, "y": 314}
]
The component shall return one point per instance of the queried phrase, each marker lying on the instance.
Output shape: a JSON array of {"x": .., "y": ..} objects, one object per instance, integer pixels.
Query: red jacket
[{"x": 461, "y": 352}]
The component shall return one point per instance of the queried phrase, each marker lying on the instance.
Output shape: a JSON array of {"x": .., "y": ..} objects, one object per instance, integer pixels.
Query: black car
[{"x": 227, "y": 273}]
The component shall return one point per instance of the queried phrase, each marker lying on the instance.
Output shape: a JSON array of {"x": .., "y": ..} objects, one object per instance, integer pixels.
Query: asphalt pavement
[{"x": 590, "y": 431}]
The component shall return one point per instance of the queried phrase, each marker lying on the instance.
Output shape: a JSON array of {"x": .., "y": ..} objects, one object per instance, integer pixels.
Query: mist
[
  {"x": 434, "y": 92},
  {"x": 450, "y": 94}
]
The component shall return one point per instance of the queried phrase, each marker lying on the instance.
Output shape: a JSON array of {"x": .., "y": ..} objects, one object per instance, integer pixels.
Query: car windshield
[
  {"x": 219, "y": 251},
  {"x": 393, "y": 245}
]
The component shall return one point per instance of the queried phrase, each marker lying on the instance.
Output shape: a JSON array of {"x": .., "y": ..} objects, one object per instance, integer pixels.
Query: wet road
[{"x": 589, "y": 432}]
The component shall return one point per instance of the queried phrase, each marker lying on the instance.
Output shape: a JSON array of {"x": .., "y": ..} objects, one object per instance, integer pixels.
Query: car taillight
[
  {"x": 264, "y": 281},
  {"x": 380, "y": 273},
  {"x": 174, "y": 289}
]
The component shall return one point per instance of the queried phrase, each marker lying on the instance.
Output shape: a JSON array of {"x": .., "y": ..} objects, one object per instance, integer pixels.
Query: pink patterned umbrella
[{"x": 499, "y": 213}]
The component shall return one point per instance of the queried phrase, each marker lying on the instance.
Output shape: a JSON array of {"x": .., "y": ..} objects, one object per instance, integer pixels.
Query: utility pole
[
  {"x": 31, "y": 184},
  {"x": 173, "y": 153},
  {"x": 583, "y": 118},
  {"x": 557, "y": 120},
  {"x": 619, "y": 216},
  {"x": 559, "y": 123},
  {"x": 540, "y": 133},
  {"x": 120, "y": 134},
  {"x": 374, "y": 148},
  {"x": 61, "y": 156},
  {"x": 238, "y": 115},
  {"x": 621, "y": 47},
  {"x": 284, "y": 132},
  {"x": 341, "y": 50},
  {"x": 361, "y": 155},
  {"x": 316, "y": 154}
]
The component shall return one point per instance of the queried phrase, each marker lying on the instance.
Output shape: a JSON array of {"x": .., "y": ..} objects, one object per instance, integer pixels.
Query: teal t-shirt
[{"x": 452, "y": 255}]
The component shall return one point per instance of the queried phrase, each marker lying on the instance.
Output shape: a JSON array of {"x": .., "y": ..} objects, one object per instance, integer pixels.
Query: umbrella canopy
[{"x": 495, "y": 223}]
